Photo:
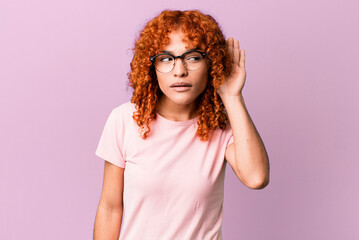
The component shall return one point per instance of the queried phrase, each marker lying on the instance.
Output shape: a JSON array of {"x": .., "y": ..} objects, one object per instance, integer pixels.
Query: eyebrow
[{"x": 170, "y": 52}]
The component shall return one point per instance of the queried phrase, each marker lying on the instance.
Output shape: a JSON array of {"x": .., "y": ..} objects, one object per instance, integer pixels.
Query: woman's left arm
[{"x": 247, "y": 155}]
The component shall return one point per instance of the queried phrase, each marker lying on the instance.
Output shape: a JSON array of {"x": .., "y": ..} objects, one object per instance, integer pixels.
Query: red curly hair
[{"x": 203, "y": 32}]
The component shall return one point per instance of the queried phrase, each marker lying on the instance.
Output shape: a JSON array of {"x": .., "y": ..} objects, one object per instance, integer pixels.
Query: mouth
[
  {"x": 181, "y": 88},
  {"x": 181, "y": 84},
  {"x": 184, "y": 86}
]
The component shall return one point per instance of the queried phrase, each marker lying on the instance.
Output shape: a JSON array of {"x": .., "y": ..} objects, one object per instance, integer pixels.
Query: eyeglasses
[{"x": 192, "y": 60}]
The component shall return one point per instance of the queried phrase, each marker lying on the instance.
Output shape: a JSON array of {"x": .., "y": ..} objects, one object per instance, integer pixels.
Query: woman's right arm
[{"x": 109, "y": 213}]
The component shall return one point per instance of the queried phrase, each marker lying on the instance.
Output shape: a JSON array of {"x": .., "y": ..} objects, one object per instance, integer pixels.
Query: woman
[{"x": 166, "y": 150}]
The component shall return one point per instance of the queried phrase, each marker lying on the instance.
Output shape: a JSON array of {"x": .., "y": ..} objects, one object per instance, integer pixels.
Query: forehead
[{"x": 178, "y": 42}]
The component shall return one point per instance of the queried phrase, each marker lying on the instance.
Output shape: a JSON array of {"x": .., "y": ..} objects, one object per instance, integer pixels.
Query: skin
[
  {"x": 233, "y": 85},
  {"x": 180, "y": 106},
  {"x": 247, "y": 155},
  {"x": 110, "y": 209}
]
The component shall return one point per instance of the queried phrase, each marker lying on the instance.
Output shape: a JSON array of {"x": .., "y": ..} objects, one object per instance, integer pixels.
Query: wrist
[{"x": 230, "y": 98}]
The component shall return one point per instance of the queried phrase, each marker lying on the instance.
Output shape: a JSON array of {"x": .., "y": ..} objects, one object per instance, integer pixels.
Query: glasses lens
[
  {"x": 164, "y": 63},
  {"x": 193, "y": 60}
]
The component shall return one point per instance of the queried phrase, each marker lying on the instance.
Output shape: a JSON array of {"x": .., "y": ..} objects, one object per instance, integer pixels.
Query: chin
[{"x": 181, "y": 100}]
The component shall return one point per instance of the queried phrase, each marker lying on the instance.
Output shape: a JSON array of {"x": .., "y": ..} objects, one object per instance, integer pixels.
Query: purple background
[{"x": 63, "y": 67}]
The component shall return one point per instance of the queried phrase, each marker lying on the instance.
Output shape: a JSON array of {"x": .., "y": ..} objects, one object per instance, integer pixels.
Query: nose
[{"x": 179, "y": 69}]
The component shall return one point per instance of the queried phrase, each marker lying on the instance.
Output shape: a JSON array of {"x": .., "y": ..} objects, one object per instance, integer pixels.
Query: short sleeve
[
  {"x": 230, "y": 140},
  {"x": 229, "y": 134},
  {"x": 109, "y": 146}
]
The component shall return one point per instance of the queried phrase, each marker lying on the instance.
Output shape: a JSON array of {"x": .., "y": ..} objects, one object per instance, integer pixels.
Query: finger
[
  {"x": 242, "y": 61},
  {"x": 230, "y": 48},
  {"x": 236, "y": 52}
]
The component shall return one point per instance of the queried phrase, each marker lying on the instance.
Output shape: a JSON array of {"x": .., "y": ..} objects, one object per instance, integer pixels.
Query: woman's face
[{"x": 197, "y": 79}]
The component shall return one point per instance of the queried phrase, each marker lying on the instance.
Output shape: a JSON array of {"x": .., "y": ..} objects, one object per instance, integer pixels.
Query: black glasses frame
[{"x": 152, "y": 59}]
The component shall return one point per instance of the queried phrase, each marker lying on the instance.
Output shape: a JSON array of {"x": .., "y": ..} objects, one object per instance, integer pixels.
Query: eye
[
  {"x": 165, "y": 58},
  {"x": 193, "y": 58}
]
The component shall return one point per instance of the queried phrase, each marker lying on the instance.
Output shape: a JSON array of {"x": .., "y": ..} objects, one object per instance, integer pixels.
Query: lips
[{"x": 181, "y": 84}]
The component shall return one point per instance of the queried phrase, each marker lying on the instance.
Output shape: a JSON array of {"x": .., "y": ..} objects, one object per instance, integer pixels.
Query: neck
[{"x": 176, "y": 112}]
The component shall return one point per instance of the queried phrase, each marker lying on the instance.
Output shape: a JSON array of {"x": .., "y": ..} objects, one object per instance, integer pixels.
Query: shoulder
[
  {"x": 125, "y": 108},
  {"x": 124, "y": 112}
]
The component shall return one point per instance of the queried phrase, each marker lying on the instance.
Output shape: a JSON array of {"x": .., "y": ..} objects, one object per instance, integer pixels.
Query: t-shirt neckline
[{"x": 177, "y": 123}]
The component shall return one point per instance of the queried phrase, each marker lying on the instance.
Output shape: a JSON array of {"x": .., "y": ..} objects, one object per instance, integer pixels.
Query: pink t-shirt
[{"x": 173, "y": 182}]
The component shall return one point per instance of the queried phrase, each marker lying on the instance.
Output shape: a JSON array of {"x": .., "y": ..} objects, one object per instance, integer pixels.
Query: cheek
[
  {"x": 204, "y": 78},
  {"x": 163, "y": 83},
  {"x": 160, "y": 81}
]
